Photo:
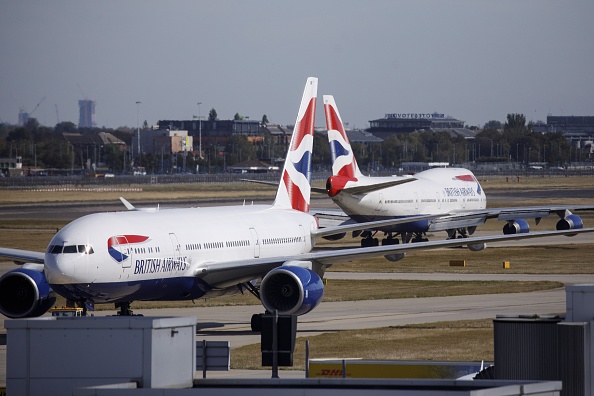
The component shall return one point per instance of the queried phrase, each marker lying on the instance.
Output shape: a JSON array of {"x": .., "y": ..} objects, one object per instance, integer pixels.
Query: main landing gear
[
  {"x": 124, "y": 307},
  {"x": 460, "y": 233},
  {"x": 369, "y": 240},
  {"x": 256, "y": 321}
]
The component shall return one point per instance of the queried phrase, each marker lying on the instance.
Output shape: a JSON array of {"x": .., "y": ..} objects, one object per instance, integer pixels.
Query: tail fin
[
  {"x": 343, "y": 159},
  {"x": 295, "y": 186}
]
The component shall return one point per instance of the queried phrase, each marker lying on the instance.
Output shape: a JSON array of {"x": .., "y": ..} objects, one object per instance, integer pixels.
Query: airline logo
[
  {"x": 472, "y": 179},
  {"x": 343, "y": 160},
  {"x": 116, "y": 245},
  {"x": 297, "y": 175}
]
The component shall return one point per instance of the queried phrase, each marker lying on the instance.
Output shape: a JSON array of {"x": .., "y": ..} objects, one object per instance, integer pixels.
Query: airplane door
[
  {"x": 416, "y": 202},
  {"x": 175, "y": 244},
  {"x": 123, "y": 249},
  {"x": 256, "y": 241},
  {"x": 379, "y": 204},
  {"x": 438, "y": 200},
  {"x": 303, "y": 237}
]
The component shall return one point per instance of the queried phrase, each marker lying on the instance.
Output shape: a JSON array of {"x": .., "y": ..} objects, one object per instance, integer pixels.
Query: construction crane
[
  {"x": 36, "y": 107},
  {"x": 24, "y": 116}
]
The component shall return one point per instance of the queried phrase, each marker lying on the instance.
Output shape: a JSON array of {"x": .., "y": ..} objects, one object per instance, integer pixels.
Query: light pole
[
  {"x": 199, "y": 130},
  {"x": 138, "y": 103}
]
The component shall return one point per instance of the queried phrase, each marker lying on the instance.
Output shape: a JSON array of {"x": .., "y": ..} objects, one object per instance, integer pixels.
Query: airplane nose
[{"x": 60, "y": 269}]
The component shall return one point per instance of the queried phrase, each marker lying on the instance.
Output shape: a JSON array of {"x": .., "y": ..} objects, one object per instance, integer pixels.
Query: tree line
[{"x": 512, "y": 141}]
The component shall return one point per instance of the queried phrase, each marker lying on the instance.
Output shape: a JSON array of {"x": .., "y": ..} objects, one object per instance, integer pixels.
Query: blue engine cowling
[
  {"x": 519, "y": 226},
  {"x": 291, "y": 290},
  {"x": 25, "y": 293},
  {"x": 571, "y": 222}
]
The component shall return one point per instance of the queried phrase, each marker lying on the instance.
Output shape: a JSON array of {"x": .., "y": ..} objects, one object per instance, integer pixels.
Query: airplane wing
[
  {"x": 464, "y": 219},
  {"x": 348, "y": 227},
  {"x": 320, "y": 190},
  {"x": 477, "y": 217},
  {"x": 213, "y": 272},
  {"x": 377, "y": 186},
  {"x": 22, "y": 256}
]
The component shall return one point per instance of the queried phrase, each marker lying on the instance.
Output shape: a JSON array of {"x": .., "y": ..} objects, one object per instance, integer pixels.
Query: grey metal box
[
  {"x": 578, "y": 302},
  {"x": 61, "y": 353}
]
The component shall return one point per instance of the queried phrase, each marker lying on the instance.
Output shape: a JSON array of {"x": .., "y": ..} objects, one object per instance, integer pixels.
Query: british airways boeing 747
[{"x": 455, "y": 192}]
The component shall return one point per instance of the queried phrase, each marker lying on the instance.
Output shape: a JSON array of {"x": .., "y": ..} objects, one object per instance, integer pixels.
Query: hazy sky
[{"x": 474, "y": 60}]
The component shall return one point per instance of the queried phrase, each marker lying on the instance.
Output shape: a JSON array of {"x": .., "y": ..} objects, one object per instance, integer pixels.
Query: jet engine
[
  {"x": 518, "y": 226},
  {"x": 291, "y": 289},
  {"x": 571, "y": 222},
  {"x": 335, "y": 237},
  {"x": 25, "y": 293},
  {"x": 477, "y": 247}
]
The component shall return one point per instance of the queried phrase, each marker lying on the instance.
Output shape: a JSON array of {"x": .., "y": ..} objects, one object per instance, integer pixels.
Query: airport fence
[{"x": 132, "y": 183}]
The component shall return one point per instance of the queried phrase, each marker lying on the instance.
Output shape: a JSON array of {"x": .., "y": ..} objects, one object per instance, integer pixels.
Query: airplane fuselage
[
  {"x": 435, "y": 191},
  {"x": 168, "y": 254}
]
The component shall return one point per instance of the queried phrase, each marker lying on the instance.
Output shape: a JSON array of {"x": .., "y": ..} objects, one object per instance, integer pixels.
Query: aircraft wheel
[{"x": 256, "y": 323}]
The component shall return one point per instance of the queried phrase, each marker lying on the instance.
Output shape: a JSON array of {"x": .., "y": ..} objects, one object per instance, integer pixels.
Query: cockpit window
[
  {"x": 86, "y": 249},
  {"x": 70, "y": 249},
  {"x": 57, "y": 249}
]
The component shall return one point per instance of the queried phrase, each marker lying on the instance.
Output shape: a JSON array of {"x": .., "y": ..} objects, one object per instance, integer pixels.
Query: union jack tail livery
[
  {"x": 343, "y": 160},
  {"x": 295, "y": 187}
]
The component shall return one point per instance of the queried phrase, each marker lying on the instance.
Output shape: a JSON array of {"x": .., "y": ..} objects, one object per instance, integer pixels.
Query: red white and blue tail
[
  {"x": 343, "y": 159},
  {"x": 295, "y": 185}
]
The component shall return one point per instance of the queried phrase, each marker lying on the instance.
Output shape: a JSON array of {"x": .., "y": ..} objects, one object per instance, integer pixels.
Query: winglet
[
  {"x": 295, "y": 186},
  {"x": 343, "y": 159},
  {"x": 127, "y": 204}
]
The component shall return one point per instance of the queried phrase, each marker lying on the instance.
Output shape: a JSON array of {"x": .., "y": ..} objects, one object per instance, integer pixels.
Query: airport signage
[{"x": 415, "y": 115}]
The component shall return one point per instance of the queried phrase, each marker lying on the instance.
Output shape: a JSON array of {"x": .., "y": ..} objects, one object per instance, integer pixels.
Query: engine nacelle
[
  {"x": 25, "y": 293},
  {"x": 335, "y": 237},
  {"x": 477, "y": 247},
  {"x": 395, "y": 256},
  {"x": 519, "y": 226},
  {"x": 571, "y": 222},
  {"x": 335, "y": 184},
  {"x": 292, "y": 290}
]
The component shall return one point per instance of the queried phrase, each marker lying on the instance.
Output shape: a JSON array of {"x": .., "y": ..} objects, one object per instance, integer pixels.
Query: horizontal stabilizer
[{"x": 320, "y": 190}]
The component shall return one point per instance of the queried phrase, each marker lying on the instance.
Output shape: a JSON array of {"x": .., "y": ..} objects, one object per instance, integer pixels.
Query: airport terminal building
[{"x": 400, "y": 123}]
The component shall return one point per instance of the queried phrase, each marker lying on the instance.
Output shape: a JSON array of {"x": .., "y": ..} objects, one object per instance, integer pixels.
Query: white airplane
[
  {"x": 184, "y": 254},
  {"x": 453, "y": 191}
]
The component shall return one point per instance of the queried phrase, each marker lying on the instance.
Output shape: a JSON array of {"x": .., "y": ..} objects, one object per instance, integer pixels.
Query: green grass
[
  {"x": 541, "y": 259},
  {"x": 469, "y": 340}
]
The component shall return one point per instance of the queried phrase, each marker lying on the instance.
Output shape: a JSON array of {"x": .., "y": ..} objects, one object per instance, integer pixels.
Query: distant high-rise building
[
  {"x": 86, "y": 118},
  {"x": 23, "y": 117}
]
